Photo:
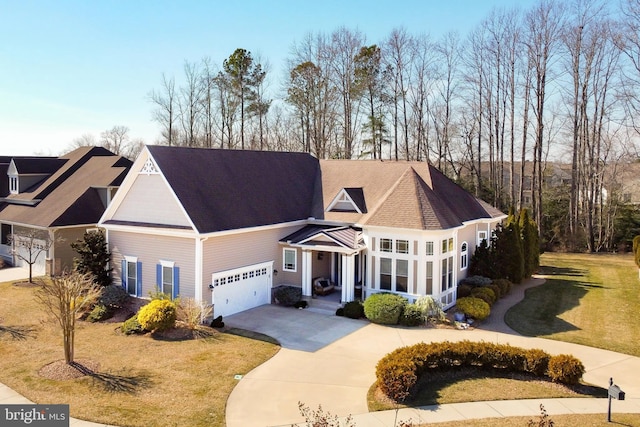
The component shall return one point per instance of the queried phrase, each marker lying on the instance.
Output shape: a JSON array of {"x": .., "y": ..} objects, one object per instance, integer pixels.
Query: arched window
[{"x": 464, "y": 256}]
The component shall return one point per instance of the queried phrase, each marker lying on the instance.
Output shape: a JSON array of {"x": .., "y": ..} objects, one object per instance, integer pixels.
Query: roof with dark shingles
[
  {"x": 231, "y": 189},
  {"x": 37, "y": 165},
  {"x": 67, "y": 196}
]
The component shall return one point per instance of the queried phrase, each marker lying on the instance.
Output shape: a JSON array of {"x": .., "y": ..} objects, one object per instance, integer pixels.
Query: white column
[
  {"x": 306, "y": 273},
  {"x": 348, "y": 285}
]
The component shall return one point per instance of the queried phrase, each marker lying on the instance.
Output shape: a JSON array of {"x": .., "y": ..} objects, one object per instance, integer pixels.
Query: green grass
[
  {"x": 139, "y": 381},
  {"x": 587, "y": 299}
]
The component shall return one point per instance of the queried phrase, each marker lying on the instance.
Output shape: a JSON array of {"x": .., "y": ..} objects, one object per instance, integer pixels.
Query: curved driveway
[{"x": 330, "y": 361}]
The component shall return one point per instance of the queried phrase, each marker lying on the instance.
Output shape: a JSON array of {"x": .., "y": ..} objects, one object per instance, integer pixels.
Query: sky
[{"x": 71, "y": 68}]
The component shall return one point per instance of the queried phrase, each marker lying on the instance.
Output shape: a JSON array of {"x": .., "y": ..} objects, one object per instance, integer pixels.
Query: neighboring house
[
  {"x": 226, "y": 226},
  {"x": 58, "y": 198}
]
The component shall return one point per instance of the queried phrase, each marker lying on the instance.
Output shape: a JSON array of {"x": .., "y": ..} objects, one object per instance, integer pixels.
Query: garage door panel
[{"x": 241, "y": 289}]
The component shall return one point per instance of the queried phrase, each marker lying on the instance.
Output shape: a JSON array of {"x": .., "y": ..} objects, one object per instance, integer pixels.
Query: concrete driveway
[
  {"x": 13, "y": 273},
  {"x": 330, "y": 361}
]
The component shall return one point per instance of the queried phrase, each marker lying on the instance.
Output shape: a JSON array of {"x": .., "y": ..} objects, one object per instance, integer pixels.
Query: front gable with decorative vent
[{"x": 349, "y": 200}]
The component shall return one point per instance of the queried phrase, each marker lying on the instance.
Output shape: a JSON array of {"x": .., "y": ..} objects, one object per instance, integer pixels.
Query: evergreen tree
[
  {"x": 94, "y": 257},
  {"x": 530, "y": 243}
]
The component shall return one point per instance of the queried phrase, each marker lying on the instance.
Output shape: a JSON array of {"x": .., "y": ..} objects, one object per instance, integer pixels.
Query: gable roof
[
  {"x": 69, "y": 195},
  {"x": 402, "y": 195},
  {"x": 231, "y": 189}
]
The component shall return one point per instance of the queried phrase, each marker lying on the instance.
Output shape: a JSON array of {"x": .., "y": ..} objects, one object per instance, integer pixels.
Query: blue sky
[{"x": 69, "y": 68}]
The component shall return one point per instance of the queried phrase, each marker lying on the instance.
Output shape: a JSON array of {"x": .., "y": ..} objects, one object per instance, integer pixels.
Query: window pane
[
  {"x": 429, "y": 277},
  {"x": 290, "y": 259},
  {"x": 402, "y": 273},
  {"x": 385, "y": 274},
  {"x": 131, "y": 277},
  {"x": 429, "y": 248},
  {"x": 451, "y": 244},
  {"x": 444, "y": 275},
  {"x": 386, "y": 245},
  {"x": 450, "y": 274},
  {"x": 167, "y": 280},
  {"x": 402, "y": 246},
  {"x": 444, "y": 246}
]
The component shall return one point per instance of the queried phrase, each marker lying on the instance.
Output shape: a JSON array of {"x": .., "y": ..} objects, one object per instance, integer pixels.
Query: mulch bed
[{"x": 60, "y": 370}]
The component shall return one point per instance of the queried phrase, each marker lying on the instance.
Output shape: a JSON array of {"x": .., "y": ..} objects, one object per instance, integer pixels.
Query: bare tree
[
  {"x": 65, "y": 297},
  {"x": 165, "y": 112},
  {"x": 190, "y": 104},
  {"x": 115, "y": 139},
  {"x": 29, "y": 244}
]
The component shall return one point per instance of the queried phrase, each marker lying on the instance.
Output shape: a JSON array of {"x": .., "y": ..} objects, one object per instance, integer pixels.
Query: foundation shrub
[
  {"x": 496, "y": 291},
  {"x": 132, "y": 326},
  {"x": 113, "y": 297},
  {"x": 504, "y": 285},
  {"x": 476, "y": 281},
  {"x": 398, "y": 372},
  {"x": 353, "y": 310},
  {"x": 384, "y": 308},
  {"x": 464, "y": 290},
  {"x": 485, "y": 293},
  {"x": 99, "y": 312},
  {"x": 158, "y": 315},
  {"x": 431, "y": 308},
  {"x": 473, "y": 307},
  {"x": 565, "y": 369},
  {"x": 287, "y": 295},
  {"x": 412, "y": 315}
]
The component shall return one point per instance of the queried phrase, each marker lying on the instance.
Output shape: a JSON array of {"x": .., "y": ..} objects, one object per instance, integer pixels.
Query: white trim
[
  {"x": 343, "y": 196},
  {"x": 130, "y": 258},
  {"x": 165, "y": 263}
]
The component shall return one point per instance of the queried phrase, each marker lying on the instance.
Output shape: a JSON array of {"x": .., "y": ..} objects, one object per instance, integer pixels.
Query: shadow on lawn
[
  {"x": 115, "y": 383},
  {"x": 17, "y": 332},
  {"x": 547, "y": 270}
]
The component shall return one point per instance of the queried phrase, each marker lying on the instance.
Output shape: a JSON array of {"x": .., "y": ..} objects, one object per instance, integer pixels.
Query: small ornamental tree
[
  {"x": 29, "y": 244},
  {"x": 65, "y": 297},
  {"x": 636, "y": 252},
  {"x": 94, "y": 257}
]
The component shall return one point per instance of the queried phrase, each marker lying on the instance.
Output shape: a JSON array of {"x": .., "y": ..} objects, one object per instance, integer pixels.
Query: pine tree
[{"x": 94, "y": 257}]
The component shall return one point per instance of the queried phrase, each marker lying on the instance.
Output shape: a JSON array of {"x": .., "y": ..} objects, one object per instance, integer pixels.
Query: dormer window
[
  {"x": 348, "y": 200},
  {"x": 13, "y": 185}
]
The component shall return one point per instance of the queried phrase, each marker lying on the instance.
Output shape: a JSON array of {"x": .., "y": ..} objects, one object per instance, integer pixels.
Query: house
[
  {"x": 227, "y": 226},
  {"x": 55, "y": 199}
]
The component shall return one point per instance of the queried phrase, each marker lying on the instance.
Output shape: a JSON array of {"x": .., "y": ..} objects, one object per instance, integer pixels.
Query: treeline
[{"x": 489, "y": 108}]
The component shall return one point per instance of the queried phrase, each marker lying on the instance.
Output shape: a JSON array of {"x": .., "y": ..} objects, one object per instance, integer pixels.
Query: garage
[{"x": 241, "y": 288}]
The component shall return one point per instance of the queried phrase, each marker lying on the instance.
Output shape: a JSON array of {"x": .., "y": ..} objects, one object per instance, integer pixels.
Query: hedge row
[{"x": 399, "y": 371}]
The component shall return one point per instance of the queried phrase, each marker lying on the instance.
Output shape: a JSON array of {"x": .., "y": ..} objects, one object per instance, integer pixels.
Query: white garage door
[{"x": 241, "y": 288}]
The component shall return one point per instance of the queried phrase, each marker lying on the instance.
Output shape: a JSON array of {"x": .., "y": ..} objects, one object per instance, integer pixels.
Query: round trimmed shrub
[
  {"x": 354, "y": 310},
  {"x": 132, "y": 326},
  {"x": 565, "y": 369},
  {"x": 504, "y": 285},
  {"x": 412, "y": 315},
  {"x": 496, "y": 291},
  {"x": 287, "y": 295},
  {"x": 473, "y": 307},
  {"x": 384, "y": 308},
  {"x": 536, "y": 361},
  {"x": 463, "y": 290},
  {"x": 340, "y": 312},
  {"x": 484, "y": 293},
  {"x": 100, "y": 312},
  {"x": 158, "y": 315},
  {"x": 475, "y": 281}
]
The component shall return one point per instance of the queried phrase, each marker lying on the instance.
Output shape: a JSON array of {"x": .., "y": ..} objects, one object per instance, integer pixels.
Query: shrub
[
  {"x": 475, "y": 281},
  {"x": 287, "y": 295},
  {"x": 113, "y": 296},
  {"x": 496, "y": 290},
  {"x": 100, "y": 312},
  {"x": 412, "y": 315},
  {"x": 536, "y": 362},
  {"x": 340, "y": 312},
  {"x": 431, "y": 307},
  {"x": 473, "y": 307},
  {"x": 565, "y": 369},
  {"x": 354, "y": 310},
  {"x": 158, "y": 315},
  {"x": 132, "y": 326},
  {"x": 384, "y": 308},
  {"x": 464, "y": 290},
  {"x": 157, "y": 294},
  {"x": 485, "y": 294},
  {"x": 192, "y": 313},
  {"x": 504, "y": 285}
]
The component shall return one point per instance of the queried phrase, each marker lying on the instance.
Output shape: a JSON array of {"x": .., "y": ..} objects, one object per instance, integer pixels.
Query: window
[
  {"x": 13, "y": 185},
  {"x": 402, "y": 246},
  {"x": 5, "y": 231},
  {"x": 482, "y": 235},
  {"x": 289, "y": 259},
  {"x": 463, "y": 256},
  {"x": 445, "y": 246},
  {"x": 429, "y": 248},
  {"x": 132, "y": 276},
  {"x": 450, "y": 244},
  {"x": 386, "y": 245},
  {"x": 385, "y": 273},
  {"x": 429, "y": 275},
  {"x": 402, "y": 275},
  {"x": 167, "y": 278},
  {"x": 447, "y": 274}
]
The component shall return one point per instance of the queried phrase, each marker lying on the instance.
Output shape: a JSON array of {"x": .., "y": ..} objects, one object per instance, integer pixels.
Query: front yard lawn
[
  {"x": 588, "y": 299},
  {"x": 138, "y": 380}
]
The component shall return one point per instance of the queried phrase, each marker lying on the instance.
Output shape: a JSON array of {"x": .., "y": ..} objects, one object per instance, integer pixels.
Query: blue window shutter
[
  {"x": 176, "y": 282},
  {"x": 159, "y": 277},
  {"x": 138, "y": 279},
  {"x": 123, "y": 274}
]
